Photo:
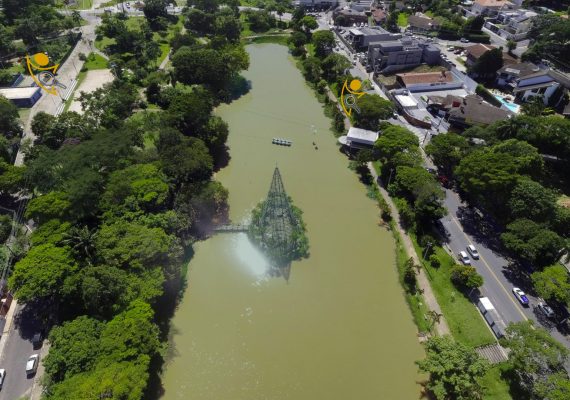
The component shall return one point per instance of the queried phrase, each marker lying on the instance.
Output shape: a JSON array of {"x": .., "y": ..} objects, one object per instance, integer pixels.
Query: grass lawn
[
  {"x": 462, "y": 316},
  {"x": 82, "y": 5},
  {"x": 95, "y": 61},
  {"x": 402, "y": 19},
  {"x": 24, "y": 114},
  {"x": 496, "y": 388}
]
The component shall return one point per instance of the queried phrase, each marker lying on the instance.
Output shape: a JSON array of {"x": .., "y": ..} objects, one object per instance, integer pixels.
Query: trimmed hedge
[
  {"x": 479, "y": 37},
  {"x": 487, "y": 96}
]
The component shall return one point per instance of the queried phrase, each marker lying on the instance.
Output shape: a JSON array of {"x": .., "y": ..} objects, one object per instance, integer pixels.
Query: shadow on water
[{"x": 166, "y": 306}]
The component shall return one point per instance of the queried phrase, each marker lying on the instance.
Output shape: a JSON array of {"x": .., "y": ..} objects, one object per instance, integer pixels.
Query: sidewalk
[
  {"x": 8, "y": 325},
  {"x": 441, "y": 327}
]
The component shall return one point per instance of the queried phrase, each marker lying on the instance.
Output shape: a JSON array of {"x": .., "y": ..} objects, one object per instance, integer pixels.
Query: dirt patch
[
  {"x": 564, "y": 201},
  {"x": 93, "y": 81}
]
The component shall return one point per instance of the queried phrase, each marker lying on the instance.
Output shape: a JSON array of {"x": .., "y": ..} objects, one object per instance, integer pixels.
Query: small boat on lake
[{"x": 281, "y": 142}]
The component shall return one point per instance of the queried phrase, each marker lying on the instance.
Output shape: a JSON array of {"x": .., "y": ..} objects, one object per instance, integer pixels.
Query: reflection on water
[{"x": 250, "y": 257}]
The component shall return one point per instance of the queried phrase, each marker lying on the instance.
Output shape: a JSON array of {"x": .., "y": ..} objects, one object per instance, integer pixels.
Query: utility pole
[
  {"x": 428, "y": 246},
  {"x": 390, "y": 178}
]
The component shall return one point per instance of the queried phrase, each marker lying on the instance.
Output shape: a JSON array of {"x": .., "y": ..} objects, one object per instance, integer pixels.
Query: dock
[{"x": 281, "y": 142}]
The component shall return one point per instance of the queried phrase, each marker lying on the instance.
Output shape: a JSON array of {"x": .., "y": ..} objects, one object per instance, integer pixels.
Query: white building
[
  {"x": 359, "y": 138},
  {"x": 511, "y": 24},
  {"x": 544, "y": 84}
]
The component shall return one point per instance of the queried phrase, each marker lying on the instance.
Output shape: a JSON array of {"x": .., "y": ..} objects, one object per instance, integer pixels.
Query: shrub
[
  {"x": 434, "y": 261},
  {"x": 465, "y": 277}
]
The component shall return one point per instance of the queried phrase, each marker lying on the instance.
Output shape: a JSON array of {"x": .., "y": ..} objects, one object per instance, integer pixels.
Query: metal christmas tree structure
[{"x": 276, "y": 226}]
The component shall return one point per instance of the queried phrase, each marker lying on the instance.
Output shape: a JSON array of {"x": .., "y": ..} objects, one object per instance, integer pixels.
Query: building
[
  {"x": 347, "y": 17},
  {"x": 467, "y": 111},
  {"x": 361, "y": 5},
  {"x": 362, "y": 37},
  {"x": 508, "y": 75},
  {"x": 379, "y": 15},
  {"x": 315, "y": 3},
  {"x": 359, "y": 138},
  {"x": 488, "y": 7},
  {"x": 548, "y": 84},
  {"x": 475, "y": 52},
  {"x": 428, "y": 81},
  {"x": 24, "y": 97},
  {"x": 511, "y": 24},
  {"x": 422, "y": 24},
  {"x": 400, "y": 53}
]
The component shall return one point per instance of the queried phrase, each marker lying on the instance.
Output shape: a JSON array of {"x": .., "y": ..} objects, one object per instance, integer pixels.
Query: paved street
[{"x": 17, "y": 349}]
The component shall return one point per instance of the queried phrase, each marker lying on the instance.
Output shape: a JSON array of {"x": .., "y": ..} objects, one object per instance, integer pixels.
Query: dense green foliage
[
  {"x": 551, "y": 39},
  {"x": 537, "y": 358},
  {"x": 119, "y": 194},
  {"x": 454, "y": 369},
  {"x": 373, "y": 108}
]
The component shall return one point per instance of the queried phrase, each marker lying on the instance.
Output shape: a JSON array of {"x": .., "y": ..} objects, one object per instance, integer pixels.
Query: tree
[
  {"x": 552, "y": 283},
  {"x": 511, "y": 45},
  {"x": 41, "y": 124},
  {"x": 529, "y": 199},
  {"x": 334, "y": 66},
  {"x": 554, "y": 387},
  {"x": 139, "y": 187},
  {"x": 534, "y": 353},
  {"x": 473, "y": 25},
  {"x": 75, "y": 347},
  {"x": 209, "y": 6},
  {"x": 111, "y": 104},
  {"x": 42, "y": 273},
  {"x": 82, "y": 241},
  {"x": 297, "y": 39},
  {"x": 307, "y": 23},
  {"x": 373, "y": 108},
  {"x": 6, "y": 41},
  {"x": 134, "y": 247},
  {"x": 447, "y": 150},
  {"x": 154, "y": 10},
  {"x": 227, "y": 26},
  {"x": 488, "y": 64},
  {"x": 190, "y": 112},
  {"x": 454, "y": 369},
  {"x": 324, "y": 43},
  {"x": 397, "y": 146},
  {"x": 260, "y": 21},
  {"x": 124, "y": 381},
  {"x": 465, "y": 276},
  {"x": 9, "y": 119},
  {"x": 198, "y": 21},
  {"x": 312, "y": 69},
  {"x": 532, "y": 242},
  {"x": 130, "y": 334}
]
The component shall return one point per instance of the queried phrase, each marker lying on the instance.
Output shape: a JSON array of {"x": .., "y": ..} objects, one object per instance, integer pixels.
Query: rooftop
[
  {"x": 362, "y": 135},
  {"x": 519, "y": 70},
  {"x": 491, "y": 3},
  {"x": 426, "y": 77},
  {"x": 477, "y": 50},
  {"x": 19, "y": 92},
  {"x": 422, "y": 22},
  {"x": 473, "y": 110}
]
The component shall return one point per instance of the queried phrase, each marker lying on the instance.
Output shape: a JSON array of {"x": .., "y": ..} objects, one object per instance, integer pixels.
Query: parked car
[
  {"x": 32, "y": 364},
  {"x": 2, "y": 376},
  {"x": 463, "y": 40},
  {"x": 37, "y": 340},
  {"x": 473, "y": 251},
  {"x": 450, "y": 48},
  {"x": 545, "y": 310},
  {"x": 521, "y": 296},
  {"x": 464, "y": 258},
  {"x": 458, "y": 51}
]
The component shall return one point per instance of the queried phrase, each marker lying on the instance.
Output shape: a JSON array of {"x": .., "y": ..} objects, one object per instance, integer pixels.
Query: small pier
[{"x": 281, "y": 142}]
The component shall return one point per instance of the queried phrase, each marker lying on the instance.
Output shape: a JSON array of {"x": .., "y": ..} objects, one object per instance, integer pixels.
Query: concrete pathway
[{"x": 429, "y": 297}]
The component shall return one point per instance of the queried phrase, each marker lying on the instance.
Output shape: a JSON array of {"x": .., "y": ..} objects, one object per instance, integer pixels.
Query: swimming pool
[{"x": 511, "y": 106}]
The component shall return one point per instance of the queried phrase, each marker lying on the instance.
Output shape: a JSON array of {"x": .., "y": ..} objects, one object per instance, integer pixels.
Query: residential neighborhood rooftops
[
  {"x": 492, "y": 3},
  {"x": 477, "y": 50},
  {"x": 474, "y": 111},
  {"x": 425, "y": 77}
]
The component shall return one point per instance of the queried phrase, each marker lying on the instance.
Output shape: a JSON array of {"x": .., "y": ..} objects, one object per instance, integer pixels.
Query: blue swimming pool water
[{"x": 511, "y": 106}]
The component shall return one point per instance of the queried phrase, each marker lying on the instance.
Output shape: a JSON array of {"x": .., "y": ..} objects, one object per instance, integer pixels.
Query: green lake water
[{"x": 339, "y": 328}]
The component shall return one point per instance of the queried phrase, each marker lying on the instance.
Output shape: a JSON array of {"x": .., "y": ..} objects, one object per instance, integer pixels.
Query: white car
[
  {"x": 473, "y": 251},
  {"x": 32, "y": 364},
  {"x": 464, "y": 258},
  {"x": 521, "y": 296},
  {"x": 2, "y": 376}
]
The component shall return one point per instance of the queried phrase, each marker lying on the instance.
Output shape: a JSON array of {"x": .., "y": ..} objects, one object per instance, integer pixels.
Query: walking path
[{"x": 441, "y": 327}]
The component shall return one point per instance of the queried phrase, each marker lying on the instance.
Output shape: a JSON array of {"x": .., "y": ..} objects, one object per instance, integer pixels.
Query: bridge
[{"x": 231, "y": 228}]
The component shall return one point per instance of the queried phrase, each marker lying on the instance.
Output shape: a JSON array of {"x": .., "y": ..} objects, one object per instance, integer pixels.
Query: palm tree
[
  {"x": 76, "y": 16},
  {"x": 82, "y": 241},
  {"x": 434, "y": 317}
]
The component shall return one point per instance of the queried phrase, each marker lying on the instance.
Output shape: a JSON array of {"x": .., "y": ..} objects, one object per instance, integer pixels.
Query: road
[
  {"x": 500, "y": 274},
  {"x": 17, "y": 349}
]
